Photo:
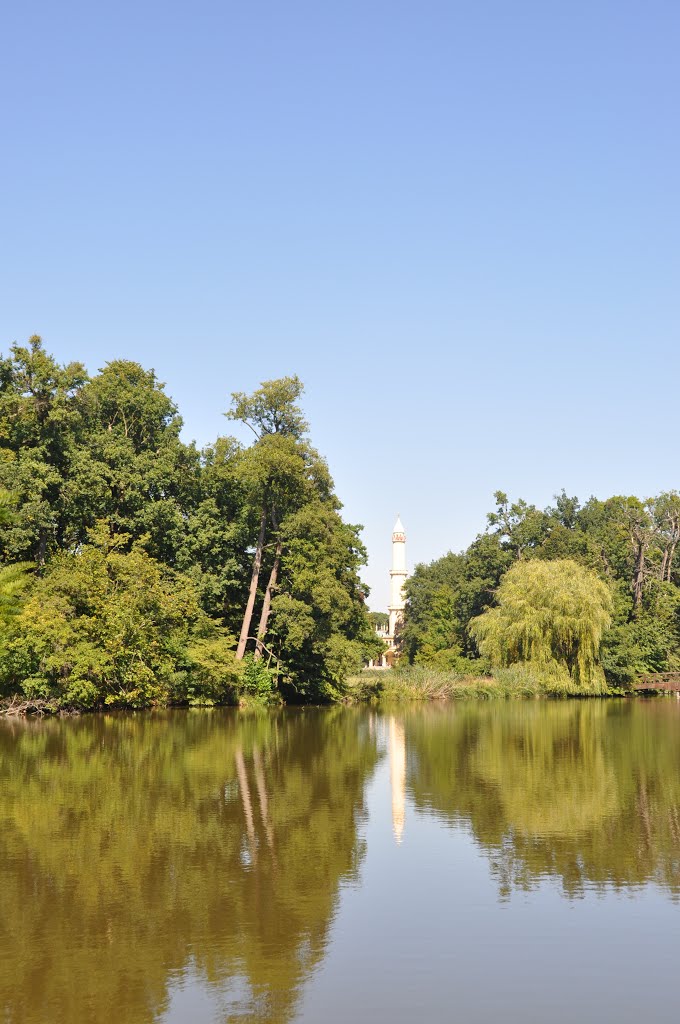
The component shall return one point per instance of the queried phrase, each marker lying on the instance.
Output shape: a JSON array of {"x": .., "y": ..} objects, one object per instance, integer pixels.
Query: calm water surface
[{"x": 467, "y": 862}]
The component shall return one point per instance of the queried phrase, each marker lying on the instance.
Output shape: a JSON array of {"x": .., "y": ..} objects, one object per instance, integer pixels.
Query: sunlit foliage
[
  {"x": 551, "y": 614},
  {"x": 154, "y": 618},
  {"x": 629, "y": 544}
]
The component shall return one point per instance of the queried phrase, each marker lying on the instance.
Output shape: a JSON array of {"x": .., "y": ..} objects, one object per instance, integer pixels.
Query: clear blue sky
[{"x": 458, "y": 222}]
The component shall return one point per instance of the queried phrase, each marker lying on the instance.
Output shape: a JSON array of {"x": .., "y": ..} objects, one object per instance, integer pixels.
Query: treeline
[
  {"x": 137, "y": 570},
  {"x": 605, "y": 606}
]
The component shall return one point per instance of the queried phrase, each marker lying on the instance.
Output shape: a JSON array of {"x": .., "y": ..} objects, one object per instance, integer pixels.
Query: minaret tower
[{"x": 397, "y": 576}]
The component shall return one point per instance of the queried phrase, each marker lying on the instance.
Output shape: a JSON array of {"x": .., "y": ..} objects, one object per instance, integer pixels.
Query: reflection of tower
[
  {"x": 397, "y": 747},
  {"x": 397, "y": 576}
]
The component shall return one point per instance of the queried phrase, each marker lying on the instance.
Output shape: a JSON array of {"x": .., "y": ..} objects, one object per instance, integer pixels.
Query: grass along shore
[
  {"x": 407, "y": 684},
  {"x": 421, "y": 683}
]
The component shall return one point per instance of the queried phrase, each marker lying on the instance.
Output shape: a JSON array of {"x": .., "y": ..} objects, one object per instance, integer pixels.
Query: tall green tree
[
  {"x": 272, "y": 472},
  {"x": 40, "y": 430},
  {"x": 519, "y": 527},
  {"x": 320, "y": 626},
  {"x": 131, "y": 466},
  {"x": 549, "y": 614}
]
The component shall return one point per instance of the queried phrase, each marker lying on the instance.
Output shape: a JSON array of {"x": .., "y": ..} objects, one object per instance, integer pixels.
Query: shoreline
[{"x": 374, "y": 686}]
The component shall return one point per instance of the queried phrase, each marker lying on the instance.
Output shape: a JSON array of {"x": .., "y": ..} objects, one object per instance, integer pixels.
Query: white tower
[{"x": 397, "y": 576}]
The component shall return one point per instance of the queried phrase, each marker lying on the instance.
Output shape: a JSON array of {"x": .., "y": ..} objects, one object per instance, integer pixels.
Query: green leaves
[
  {"x": 106, "y": 626},
  {"x": 272, "y": 409},
  {"x": 145, "y": 546},
  {"x": 630, "y": 544},
  {"x": 551, "y": 614}
]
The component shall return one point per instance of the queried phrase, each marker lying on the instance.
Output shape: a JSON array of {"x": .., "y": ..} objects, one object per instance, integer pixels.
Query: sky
[{"x": 457, "y": 222}]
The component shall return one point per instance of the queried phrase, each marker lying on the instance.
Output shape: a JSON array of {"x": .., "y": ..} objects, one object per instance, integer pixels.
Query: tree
[
  {"x": 520, "y": 527},
  {"x": 109, "y": 625},
  {"x": 131, "y": 466},
  {"x": 40, "y": 427},
  {"x": 552, "y": 615},
  {"x": 213, "y": 549},
  {"x": 445, "y": 595},
  {"x": 320, "y": 626},
  {"x": 227, "y": 529},
  {"x": 14, "y": 582},
  {"x": 270, "y": 467},
  {"x": 665, "y": 512},
  {"x": 77, "y": 449}
]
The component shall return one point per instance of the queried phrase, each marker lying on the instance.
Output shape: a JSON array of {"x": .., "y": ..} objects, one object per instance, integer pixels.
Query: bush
[
  {"x": 258, "y": 683},
  {"x": 109, "y": 627}
]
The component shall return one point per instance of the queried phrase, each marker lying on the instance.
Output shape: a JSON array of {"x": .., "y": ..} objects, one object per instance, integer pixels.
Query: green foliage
[
  {"x": 552, "y": 615},
  {"x": 258, "y": 682},
  {"x": 518, "y": 526},
  {"x": 444, "y": 596},
  {"x": 320, "y": 628},
  {"x": 106, "y": 626},
  {"x": 14, "y": 582},
  {"x": 255, "y": 536},
  {"x": 75, "y": 449},
  {"x": 149, "y": 618},
  {"x": 631, "y": 545},
  {"x": 272, "y": 409},
  {"x": 211, "y": 675},
  {"x": 419, "y": 683}
]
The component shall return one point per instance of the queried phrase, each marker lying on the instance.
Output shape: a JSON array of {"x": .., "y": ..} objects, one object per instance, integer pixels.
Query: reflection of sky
[
  {"x": 190, "y": 1001},
  {"x": 426, "y": 936},
  {"x": 425, "y": 932}
]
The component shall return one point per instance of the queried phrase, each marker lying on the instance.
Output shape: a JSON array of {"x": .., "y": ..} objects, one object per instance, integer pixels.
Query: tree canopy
[
  {"x": 131, "y": 562},
  {"x": 628, "y": 544},
  {"x": 550, "y": 614}
]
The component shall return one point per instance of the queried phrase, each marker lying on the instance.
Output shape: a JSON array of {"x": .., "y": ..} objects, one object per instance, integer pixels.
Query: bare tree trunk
[
  {"x": 42, "y": 548},
  {"x": 254, "y": 580},
  {"x": 670, "y": 558},
  {"x": 638, "y": 574},
  {"x": 267, "y": 603}
]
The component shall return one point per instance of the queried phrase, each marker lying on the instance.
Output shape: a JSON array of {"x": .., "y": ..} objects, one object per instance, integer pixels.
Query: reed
[{"x": 421, "y": 683}]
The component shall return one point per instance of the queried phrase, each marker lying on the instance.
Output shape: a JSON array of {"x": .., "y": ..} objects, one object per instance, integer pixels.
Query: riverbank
[
  {"x": 418, "y": 683},
  {"x": 410, "y": 684}
]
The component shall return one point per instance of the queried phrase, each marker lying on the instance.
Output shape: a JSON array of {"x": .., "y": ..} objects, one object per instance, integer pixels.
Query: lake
[{"x": 514, "y": 861}]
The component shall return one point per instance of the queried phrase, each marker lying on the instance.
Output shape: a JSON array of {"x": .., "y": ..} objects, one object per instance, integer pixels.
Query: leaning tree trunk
[
  {"x": 638, "y": 574},
  {"x": 254, "y": 580},
  {"x": 42, "y": 548},
  {"x": 267, "y": 603}
]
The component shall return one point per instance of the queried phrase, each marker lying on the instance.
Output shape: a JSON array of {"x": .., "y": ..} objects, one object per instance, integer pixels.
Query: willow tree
[{"x": 549, "y": 614}]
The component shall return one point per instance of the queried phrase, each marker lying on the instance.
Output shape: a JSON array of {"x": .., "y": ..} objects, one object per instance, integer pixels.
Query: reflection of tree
[
  {"x": 588, "y": 792},
  {"x": 136, "y": 848}
]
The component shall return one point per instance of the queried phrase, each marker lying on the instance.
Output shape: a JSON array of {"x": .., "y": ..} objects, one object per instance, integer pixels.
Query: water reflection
[
  {"x": 587, "y": 792},
  {"x": 143, "y": 853},
  {"x": 397, "y": 754},
  {"x": 135, "y": 849}
]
